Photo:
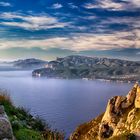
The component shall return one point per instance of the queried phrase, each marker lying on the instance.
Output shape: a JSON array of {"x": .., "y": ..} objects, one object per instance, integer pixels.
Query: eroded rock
[
  {"x": 5, "y": 126},
  {"x": 122, "y": 117},
  {"x": 137, "y": 100}
]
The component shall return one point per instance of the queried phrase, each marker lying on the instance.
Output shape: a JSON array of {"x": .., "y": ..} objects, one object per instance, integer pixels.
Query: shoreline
[{"x": 90, "y": 79}]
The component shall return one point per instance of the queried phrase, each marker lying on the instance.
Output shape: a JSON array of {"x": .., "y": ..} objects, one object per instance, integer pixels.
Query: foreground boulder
[
  {"x": 5, "y": 126},
  {"x": 121, "y": 120}
]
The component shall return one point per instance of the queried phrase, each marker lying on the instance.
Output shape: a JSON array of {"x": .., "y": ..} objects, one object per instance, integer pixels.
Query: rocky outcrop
[
  {"x": 120, "y": 120},
  {"x": 5, "y": 126},
  {"x": 137, "y": 100}
]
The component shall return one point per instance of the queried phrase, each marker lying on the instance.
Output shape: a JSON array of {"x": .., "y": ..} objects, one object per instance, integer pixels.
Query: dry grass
[
  {"x": 5, "y": 97},
  {"x": 25, "y": 126}
]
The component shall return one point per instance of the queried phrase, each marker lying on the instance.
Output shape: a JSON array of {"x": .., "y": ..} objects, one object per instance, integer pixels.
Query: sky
[{"x": 47, "y": 29}]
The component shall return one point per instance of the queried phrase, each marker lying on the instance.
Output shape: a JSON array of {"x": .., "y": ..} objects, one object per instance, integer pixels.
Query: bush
[
  {"x": 5, "y": 98},
  {"x": 26, "y": 134},
  {"x": 25, "y": 126},
  {"x": 40, "y": 124}
]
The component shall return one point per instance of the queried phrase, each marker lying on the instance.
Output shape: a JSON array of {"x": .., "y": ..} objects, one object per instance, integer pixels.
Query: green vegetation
[
  {"x": 26, "y": 134},
  {"x": 77, "y": 67},
  {"x": 25, "y": 126}
]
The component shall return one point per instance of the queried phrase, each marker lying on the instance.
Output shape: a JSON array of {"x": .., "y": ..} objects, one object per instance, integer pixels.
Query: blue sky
[{"x": 47, "y": 29}]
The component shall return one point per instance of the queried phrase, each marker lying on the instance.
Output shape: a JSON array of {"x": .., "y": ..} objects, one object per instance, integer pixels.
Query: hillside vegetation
[
  {"x": 91, "y": 68},
  {"x": 24, "y": 125}
]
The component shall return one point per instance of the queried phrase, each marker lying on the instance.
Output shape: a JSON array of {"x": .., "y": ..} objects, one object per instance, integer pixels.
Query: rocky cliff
[
  {"x": 121, "y": 120},
  {"x": 5, "y": 126}
]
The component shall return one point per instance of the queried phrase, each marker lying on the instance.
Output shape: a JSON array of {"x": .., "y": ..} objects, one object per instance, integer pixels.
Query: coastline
[{"x": 91, "y": 79}]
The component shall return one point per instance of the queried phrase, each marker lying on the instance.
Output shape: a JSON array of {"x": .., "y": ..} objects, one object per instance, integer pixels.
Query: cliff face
[
  {"x": 5, "y": 126},
  {"x": 121, "y": 120}
]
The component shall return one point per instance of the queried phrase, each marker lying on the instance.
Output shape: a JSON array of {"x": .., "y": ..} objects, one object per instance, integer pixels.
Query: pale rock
[
  {"x": 5, "y": 126},
  {"x": 122, "y": 116},
  {"x": 137, "y": 100}
]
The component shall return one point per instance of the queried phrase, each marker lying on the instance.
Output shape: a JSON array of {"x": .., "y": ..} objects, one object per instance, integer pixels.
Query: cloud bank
[
  {"x": 114, "y": 5},
  {"x": 31, "y": 22},
  {"x": 81, "y": 27}
]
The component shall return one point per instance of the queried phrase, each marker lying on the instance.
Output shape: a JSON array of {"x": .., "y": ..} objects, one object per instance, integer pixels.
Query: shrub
[
  {"x": 5, "y": 98},
  {"x": 26, "y": 134},
  {"x": 25, "y": 126},
  {"x": 39, "y": 124}
]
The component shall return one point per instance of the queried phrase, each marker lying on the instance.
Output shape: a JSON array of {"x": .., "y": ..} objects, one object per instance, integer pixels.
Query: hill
[
  {"x": 30, "y": 63},
  {"x": 91, "y": 68}
]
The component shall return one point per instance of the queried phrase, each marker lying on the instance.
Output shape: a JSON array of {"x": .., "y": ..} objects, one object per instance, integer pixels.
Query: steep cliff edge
[{"x": 121, "y": 120}]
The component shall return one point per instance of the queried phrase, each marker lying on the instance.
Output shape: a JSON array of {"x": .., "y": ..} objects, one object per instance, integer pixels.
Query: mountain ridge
[
  {"x": 78, "y": 67},
  {"x": 23, "y": 64}
]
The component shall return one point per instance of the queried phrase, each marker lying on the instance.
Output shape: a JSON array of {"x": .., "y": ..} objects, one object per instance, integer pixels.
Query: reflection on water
[{"x": 62, "y": 103}]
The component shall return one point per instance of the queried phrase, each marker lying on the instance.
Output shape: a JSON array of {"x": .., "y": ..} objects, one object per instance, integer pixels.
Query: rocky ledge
[
  {"x": 6, "y": 132},
  {"x": 121, "y": 120}
]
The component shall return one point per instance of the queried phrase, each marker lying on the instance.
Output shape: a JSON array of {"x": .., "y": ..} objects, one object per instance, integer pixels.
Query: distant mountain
[
  {"x": 6, "y": 66},
  {"x": 91, "y": 68},
  {"x": 31, "y": 63}
]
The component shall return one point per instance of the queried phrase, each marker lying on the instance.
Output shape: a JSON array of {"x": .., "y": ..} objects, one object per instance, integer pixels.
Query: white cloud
[
  {"x": 114, "y": 6},
  {"x": 133, "y": 22},
  {"x": 30, "y": 26},
  {"x": 138, "y": 53},
  {"x": 80, "y": 42},
  {"x": 135, "y": 3},
  {"x": 71, "y": 5},
  {"x": 5, "y": 4},
  {"x": 90, "y": 6},
  {"x": 105, "y": 4},
  {"x": 31, "y": 22},
  {"x": 57, "y": 6}
]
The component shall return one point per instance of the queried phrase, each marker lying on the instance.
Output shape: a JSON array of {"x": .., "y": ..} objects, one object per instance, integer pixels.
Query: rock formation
[
  {"x": 137, "y": 101},
  {"x": 120, "y": 121},
  {"x": 5, "y": 126}
]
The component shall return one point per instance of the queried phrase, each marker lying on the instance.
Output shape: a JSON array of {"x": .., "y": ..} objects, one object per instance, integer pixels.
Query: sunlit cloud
[
  {"x": 57, "y": 6},
  {"x": 100, "y": 25},
  {"x": 105, "y": 4},
  {"x": 130, "y": 21},
  {"x": 113, "y": 5},
  {"x": 134, "y": 3},
  {"x": 81, "y": 42},
  {"x": 31, "y": 22}
]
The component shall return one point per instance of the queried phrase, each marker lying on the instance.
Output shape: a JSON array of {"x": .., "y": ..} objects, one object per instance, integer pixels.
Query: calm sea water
[{"x": 64, "y": 104}]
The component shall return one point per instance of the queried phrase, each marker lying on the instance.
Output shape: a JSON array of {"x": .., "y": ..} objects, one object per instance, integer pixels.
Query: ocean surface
[{"x": 64, "y": 104}]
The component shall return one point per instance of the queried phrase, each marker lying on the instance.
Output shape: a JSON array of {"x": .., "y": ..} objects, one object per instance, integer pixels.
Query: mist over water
[{"x": 64, "y": 104}]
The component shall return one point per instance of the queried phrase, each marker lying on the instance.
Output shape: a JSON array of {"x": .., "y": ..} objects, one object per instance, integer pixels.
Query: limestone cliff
[
  {"x": 6, "y": 132},
  {"x": 121, "y": 120}
]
